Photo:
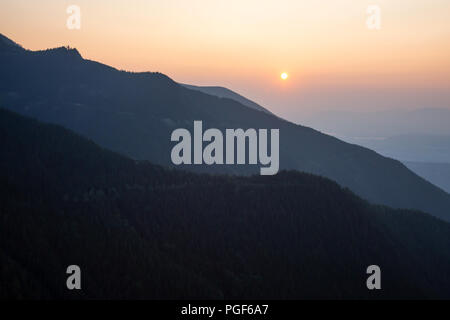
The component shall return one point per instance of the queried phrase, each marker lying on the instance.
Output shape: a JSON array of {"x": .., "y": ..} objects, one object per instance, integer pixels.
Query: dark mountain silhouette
[
  {"x": 7, "y": 44},
  {"x": 436, "y": 173},
  {"x": 135, "y": 114},
  {"x": 222, "y": 92},
  {"x": 141, "y": 231}
]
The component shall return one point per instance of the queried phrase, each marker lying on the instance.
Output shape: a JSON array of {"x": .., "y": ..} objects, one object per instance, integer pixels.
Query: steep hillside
[
  {"x": 222, "y": 92},
  {"x": 141, "y": 231},
  {"x": 135, "y": 114}
]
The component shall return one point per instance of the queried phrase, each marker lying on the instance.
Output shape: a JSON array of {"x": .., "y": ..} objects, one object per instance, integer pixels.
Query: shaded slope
[
  {"x": 135, "y": 113},
  {"x": 222, "y": 92},
  {"x": 140, "y": 231},
  {"x": 436, "y": 173}
]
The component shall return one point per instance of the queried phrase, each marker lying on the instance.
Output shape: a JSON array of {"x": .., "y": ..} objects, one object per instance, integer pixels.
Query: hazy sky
[{"x": 333, "y": 60}]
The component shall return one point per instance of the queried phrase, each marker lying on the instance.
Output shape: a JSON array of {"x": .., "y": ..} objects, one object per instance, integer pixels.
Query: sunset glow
[{"x": 241, "y": 45}]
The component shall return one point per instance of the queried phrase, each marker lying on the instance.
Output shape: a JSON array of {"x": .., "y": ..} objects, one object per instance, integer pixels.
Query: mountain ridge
[
  {"x": 223, "y": 92},
  {"x": 7, "y": 44},
  {"x": 168, "y": 234},
  {"x": 135, "y": 113}
]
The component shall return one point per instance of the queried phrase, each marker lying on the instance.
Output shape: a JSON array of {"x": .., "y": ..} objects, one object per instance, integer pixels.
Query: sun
[{"x": 284, "y": 76}]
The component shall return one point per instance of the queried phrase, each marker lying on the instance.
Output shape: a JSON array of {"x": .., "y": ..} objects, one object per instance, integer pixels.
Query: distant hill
[
  {"x": 382, "y": 124},
  {"x": 139, "y": 231},
  {"x": 410, "y": 147},
  {"x": 436, "y": 173},
  {"x": 135, "y": 114},
  {"x": 222, "y": 92}
]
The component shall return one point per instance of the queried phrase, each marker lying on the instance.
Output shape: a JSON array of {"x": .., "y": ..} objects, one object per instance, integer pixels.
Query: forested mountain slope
[
  {"x": 135, "y": 114},
  {"x": 141, "y": 231}
]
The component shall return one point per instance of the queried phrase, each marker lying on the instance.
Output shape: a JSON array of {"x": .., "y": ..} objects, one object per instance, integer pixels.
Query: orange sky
[{"x": 325, "y": 46}]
